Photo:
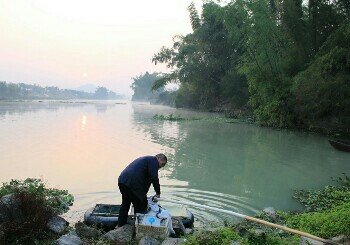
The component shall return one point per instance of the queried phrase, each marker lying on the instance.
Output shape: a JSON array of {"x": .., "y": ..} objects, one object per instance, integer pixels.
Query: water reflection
[
  {"x": 83, "y": 147},
  {"x": 223, "y": 162},
  {"x": 83, "y": 122}
]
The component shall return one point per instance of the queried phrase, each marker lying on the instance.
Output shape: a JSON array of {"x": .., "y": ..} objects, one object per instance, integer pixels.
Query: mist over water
[{"x": 83, "y": 147}]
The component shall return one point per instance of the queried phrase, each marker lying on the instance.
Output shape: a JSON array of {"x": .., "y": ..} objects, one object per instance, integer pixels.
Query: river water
[{"x": 83, "y": 147}]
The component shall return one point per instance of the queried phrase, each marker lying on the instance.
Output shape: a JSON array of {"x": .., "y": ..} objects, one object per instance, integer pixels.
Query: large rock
[
  {"x": 173, "y": 241},
  {"x": 178, "y": 226},
  {"x": 122, "y": 235},
  {"x": 8, "y": 199},
  {"x": 9, "y": 208},
  {"x": 148, "y": 241},
  {"x": 69, "y": 239},
  {"x": 86, "y": 231},
  {"x": 309, "y": 241},
  {"x": 57, "y": 224}
]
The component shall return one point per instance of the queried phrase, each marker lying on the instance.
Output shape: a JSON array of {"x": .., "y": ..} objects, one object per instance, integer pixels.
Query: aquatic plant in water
[{"x": 172, "y": 117}]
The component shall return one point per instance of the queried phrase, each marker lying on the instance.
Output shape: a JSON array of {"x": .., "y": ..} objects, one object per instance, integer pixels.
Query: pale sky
[{"x": 68, "y": 43}]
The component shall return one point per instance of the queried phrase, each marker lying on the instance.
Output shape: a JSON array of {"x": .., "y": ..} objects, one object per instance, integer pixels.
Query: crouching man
[{"x": 135, "y": 181}]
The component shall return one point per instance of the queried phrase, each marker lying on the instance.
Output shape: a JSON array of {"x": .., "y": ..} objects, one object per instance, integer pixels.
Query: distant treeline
[
  {"x": 286, "y": 62},
  {"x": 10, "y": 91}
]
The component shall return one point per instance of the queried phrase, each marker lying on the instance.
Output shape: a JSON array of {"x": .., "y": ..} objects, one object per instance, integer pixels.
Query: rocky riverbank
[
  {"x": 12, "y": 212},
  {"x": 241, "y": 233},
  {"x": 30, "y": 214}
]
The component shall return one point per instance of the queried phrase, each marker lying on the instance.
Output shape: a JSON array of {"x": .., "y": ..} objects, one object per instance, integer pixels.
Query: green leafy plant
[
  {"x": 172, "y": 117},
  {"x": 221, "y": 236},
  {"x": 25, "y": 219},
  {"x": 326, "y": 224},
  {"x": 272, "y": 239},
  {"x": 27, "y": 209},
  {"x": 58, "y": 200}
]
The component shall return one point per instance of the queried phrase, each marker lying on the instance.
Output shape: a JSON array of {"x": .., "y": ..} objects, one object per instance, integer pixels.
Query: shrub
[
  {"x": 58, "y": 200},
  {"x": 218, "y": 237},
  {"x": 325, "y": 224},
  {"x": 273, "y": 239},
  {"x": 27, "y": 217},
  {"x": 25, "y": 214}
]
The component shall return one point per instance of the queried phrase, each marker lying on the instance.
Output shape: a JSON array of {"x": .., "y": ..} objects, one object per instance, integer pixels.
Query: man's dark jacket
[{"x": 140, "y": 174}]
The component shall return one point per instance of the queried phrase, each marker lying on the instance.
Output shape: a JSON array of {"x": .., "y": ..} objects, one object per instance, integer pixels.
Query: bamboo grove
[{"x": 286, "y": 62}]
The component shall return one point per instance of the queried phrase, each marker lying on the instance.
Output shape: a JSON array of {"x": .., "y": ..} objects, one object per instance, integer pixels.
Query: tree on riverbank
[
  {"x": 286, "y": 61},
  {"x": 142, "y": 87}
]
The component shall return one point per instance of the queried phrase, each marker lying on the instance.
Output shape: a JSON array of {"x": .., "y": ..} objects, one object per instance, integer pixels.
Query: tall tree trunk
[{"x": 313, "y": 21}]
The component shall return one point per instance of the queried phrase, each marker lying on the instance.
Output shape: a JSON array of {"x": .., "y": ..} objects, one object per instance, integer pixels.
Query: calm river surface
[{"x": 83, "y": 147}]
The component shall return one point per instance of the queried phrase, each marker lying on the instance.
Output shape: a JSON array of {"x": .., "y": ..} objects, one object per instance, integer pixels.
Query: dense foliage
[
  {"x": 58, "y": 200},
  {"x": 142, "y": 88},
  {"x": 25, "y": 209},
  {"x": 287, "y": 61},
  {"x": 28, "y": 222},
  {"x": 10, "y": 91},
  {"x": 326, "y": 224},
  {"x": 223, "y": 236}
]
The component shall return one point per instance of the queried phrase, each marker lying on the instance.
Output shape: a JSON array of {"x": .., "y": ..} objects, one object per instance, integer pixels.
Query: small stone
[
  {"x": 173, "y": 241},
  {"x": 69, "y": 239},
  {"x": 235, "y": 243},
  {"x": 188, "y": 231},
  {"x": 121, "y": 235},
  {"x": 57, "y": 224},
  {"x": 309, "y": 241},
  {"x": 341, "y": 239},
  {"x": 258, "y": 232},
  {"x": 2, "y": 234},
  {"x": 270, "y": 212},
  {"x": 148, "y": 241}
]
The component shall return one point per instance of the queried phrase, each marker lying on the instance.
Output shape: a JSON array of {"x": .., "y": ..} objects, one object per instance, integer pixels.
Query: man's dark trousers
[{"x": 128, "y": 197}]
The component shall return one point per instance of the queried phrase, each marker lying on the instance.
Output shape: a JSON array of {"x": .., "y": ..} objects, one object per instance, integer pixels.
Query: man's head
[{"x": 162, "y": 159}]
